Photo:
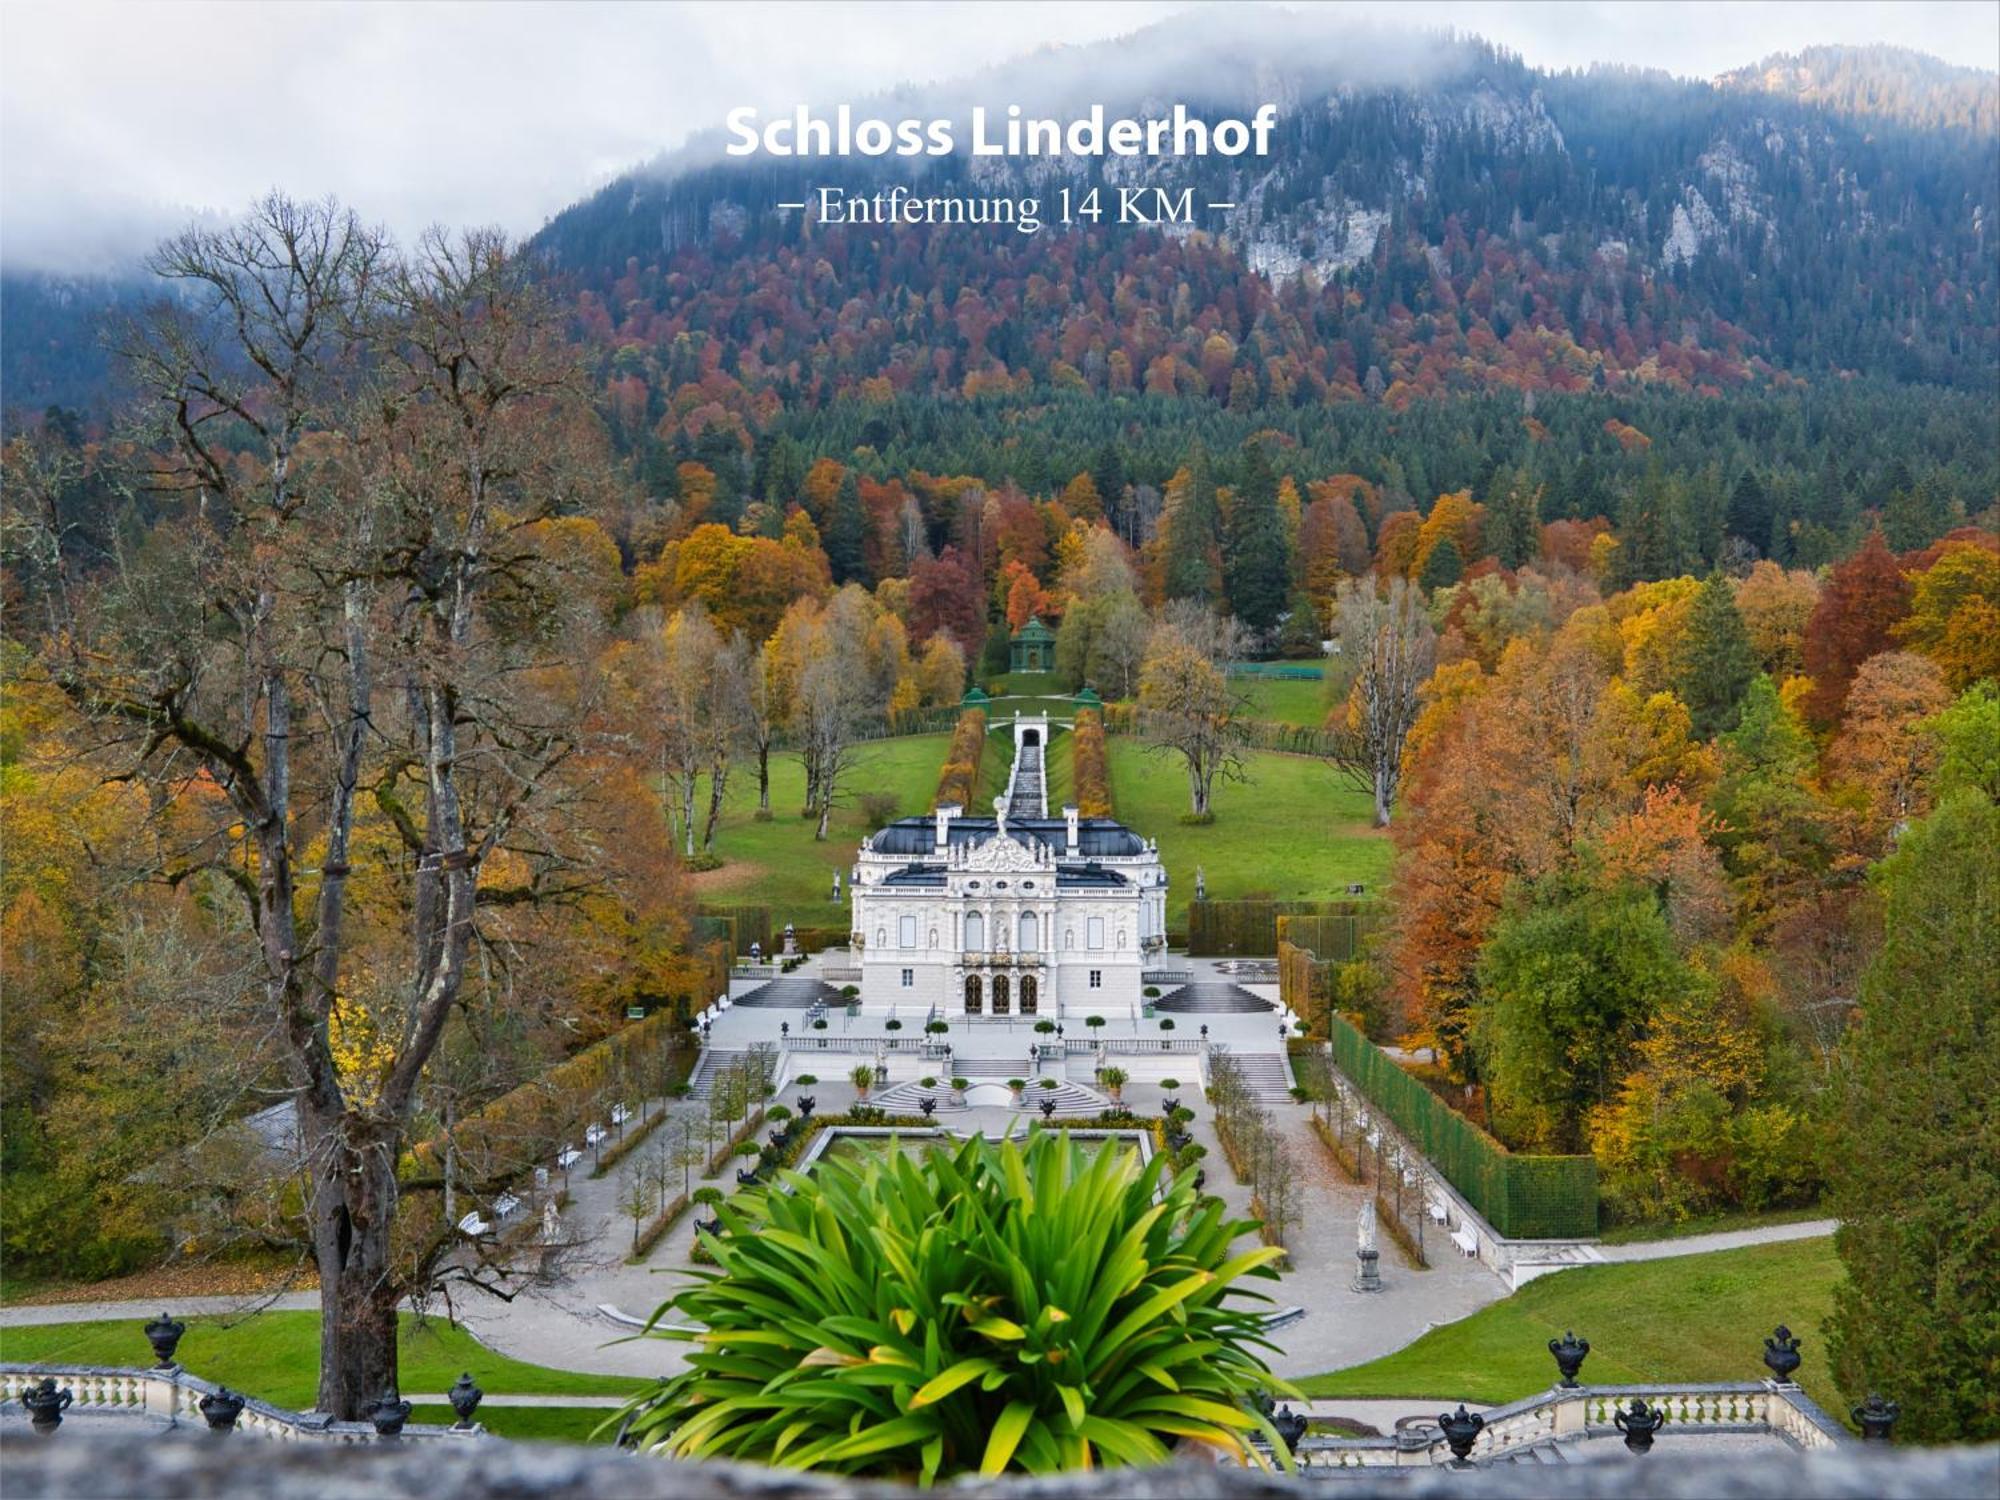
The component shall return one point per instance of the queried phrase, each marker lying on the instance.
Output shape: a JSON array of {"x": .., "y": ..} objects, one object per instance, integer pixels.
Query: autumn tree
[
  {"x": 1955, "y": 613},
  {"x": 1864, "y": 599},
  {"x": 1387, "y": 649},
  {"x": 1885, "y": 748},
  {"x": 315, "y": 626},
  {"x": 1187, "y": 710}
]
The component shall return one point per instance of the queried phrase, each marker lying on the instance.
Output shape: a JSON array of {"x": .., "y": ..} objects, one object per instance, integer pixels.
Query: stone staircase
[
  {"x": 1027, "y": 798},
  {"x": 1211, "y": 997},
  {"x": 709, "y": 1066},
  {"x": 789, "y": 992},
  {"x": 1268, "y": 1075}
]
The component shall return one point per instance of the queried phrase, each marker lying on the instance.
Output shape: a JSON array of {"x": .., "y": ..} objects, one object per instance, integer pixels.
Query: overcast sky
[{"x": 118, "y": 121}]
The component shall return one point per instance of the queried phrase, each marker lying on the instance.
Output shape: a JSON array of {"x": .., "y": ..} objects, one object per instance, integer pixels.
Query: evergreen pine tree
[
  {"x": 1750, "y": 512},
  {"x": 1918, "y": 1173},
  {"x": 1191, "y": 535},
  {"x": 1918, "y": 515},
  {"x": 1107, "y": 472},
  {"x": 1256, "y": 567},
  {"x": 1714, "y": 661},
  {"x": 1513, "y": 518},
  {"x": 847, "y": 533},
  {"x": 1443, "y": 567}
]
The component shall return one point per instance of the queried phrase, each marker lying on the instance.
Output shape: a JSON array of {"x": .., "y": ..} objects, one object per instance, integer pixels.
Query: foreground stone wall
[{"x": 172, "y": 1467}]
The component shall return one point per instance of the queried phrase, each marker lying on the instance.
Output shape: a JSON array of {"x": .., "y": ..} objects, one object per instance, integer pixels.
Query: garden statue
[
  {"x": 835, "y": 896},
  {"x": 1569, "y": 1351},
  {"x": 464, "y": 1397},
  {"x": 46, "y": 1405},
  {"x": 1200, "y": 885},
  {"x": 551, "y": 1222},
  {"x": 1781, "y": 1354},
  {"x": 791, "y": 942},
  {"x": 389, "y": 1414},
  {"x": 1639, "y": 1422},
  {"x": 1366, "y": 1277},
  {"x": 1876, "y": 1418},
  {"x": 1461, "y": 1430},
  {"x": 164, "y": 1334},
  {"x": 220, "y": 1408}
]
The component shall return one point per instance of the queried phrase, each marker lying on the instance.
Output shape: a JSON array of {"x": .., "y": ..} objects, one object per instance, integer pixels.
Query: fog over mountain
[{"x": 1797, "y": 210}]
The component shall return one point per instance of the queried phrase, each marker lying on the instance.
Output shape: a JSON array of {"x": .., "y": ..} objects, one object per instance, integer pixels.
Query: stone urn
[
  {"x": 164, "y": 1334},
  {"x": 46, "y": 1406},
  {"x": 1461, "y": 1430},
  {"x": 464, "y": 1397},
  {"x": 1875, "y": 1417},
  {"x": 220, "y": 1408},
  {"x": 1639, "y": 1422},
  {"x": 389, "y": 1414},
  {"x": 1781, "y": 1354},
  {"x": 1569, "y": 1351}
]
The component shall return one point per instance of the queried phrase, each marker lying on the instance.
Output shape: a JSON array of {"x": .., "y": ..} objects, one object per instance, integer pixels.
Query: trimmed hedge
[
  {"x": 661, "y": 1222},
  {"x": 958, "y": 778},
  {"x": 744, "y": 925},
  {"x": 1333, "y": 937},
  {"x": 1522, "y": 1197},
  {"x": 1093, "y": 771},
  {"x": 1220, "y": 928}
]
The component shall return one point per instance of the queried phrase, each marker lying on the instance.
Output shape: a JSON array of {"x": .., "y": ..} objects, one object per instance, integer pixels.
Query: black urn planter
[
  {"x": 464, "y": 1397},
  {"x": 164, "y": 1334},
  {"x": 1876, "y": 1418},
  {"x": 806, "y": 1105},
  {"x": 1291, "y": 1425},
  {"x": 1048, "y": 1108},
  {"x": 1569, "y": 1351},
  {"x": 389, "y": 1414},
  {"x": 1781, "y": 1354},
  {"x": 46, "y": 1406},
  {"x": 1461, "y": 1430},
  {"x": 928, "y": 1104},
  {"x": 1639, "y": 1422},
  {"x": 220, "y": 1408}
]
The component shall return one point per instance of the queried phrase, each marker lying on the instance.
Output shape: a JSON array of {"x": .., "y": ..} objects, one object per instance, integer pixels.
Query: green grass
[
  {"x": 275, "y": 1356},
  {"x": 1283, "y": 700},
  {"x": 1628, "y": 1234},
  {"x": 1695, "y": 1317},
  {"x": 533, "y": 1424},
  {"x": 1295, "y": 831},
  {"x": 779, "y": 863}
]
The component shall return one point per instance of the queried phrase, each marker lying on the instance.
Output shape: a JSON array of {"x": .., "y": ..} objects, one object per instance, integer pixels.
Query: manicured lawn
[
  {"x": 1626, "y": 1234},
  {"x": 779, "y": 863},
  {"x": 1284, "y": 700},
  {"x": 1295, "y": 831},
  {"x": 1694, "y": 1317},
  {"x": 534, "y": 1424},
  {"x": 275, "y": 1356}
]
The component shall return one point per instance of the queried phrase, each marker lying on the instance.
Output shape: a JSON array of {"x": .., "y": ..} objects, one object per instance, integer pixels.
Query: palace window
[
  {"x": 1097, "y": 979},
  {"x": 906, "y": 932},
  {"x": 1094, "y": 933},
  {"x": 909, "y": 979}
]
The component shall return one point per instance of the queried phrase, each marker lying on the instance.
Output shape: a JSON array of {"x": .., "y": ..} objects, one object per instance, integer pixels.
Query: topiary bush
[{"x": 992, "y": 1309}]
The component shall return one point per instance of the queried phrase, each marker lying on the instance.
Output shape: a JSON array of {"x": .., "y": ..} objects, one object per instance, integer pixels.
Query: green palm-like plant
[{"x": 987, "y": 1308}]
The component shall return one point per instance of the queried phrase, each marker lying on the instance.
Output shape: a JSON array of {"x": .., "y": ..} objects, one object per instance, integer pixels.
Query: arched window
[
  {"x": 975, "y": 932},
  {"x": 1031, "y": 933},
  {"x": 999, "y": 994},
  {"x": 1029, "y": 996},
  {"x": 972, "y": 1005}
]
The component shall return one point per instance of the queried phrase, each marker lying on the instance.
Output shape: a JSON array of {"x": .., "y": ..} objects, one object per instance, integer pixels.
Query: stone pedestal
[{"x": 1366, "y": 1278}]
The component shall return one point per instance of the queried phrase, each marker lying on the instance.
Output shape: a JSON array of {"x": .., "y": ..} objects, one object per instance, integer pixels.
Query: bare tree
[
  {"x": 358, "y": 439},
  {"x": 1387, "y": 650}
]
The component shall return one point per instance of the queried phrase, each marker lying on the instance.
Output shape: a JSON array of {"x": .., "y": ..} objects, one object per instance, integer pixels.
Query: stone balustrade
[
  {"x": 175, "y": 1396},
  {"x": 1559, "y": 1415}
]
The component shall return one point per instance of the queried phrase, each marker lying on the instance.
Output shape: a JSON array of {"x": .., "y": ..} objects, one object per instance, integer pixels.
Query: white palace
[{"x": 1014, "y": 914}]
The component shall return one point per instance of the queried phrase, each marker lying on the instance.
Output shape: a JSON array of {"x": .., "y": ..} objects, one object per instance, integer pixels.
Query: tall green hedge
[
  {"x": 1522, "y": 1197},
  {"x": 1219, "y": 928}
]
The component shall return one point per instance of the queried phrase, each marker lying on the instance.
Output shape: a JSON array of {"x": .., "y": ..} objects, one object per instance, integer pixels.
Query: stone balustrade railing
[
  {"x": 175, "y": 1396},
  {"x": 1558, "y": 1415}
]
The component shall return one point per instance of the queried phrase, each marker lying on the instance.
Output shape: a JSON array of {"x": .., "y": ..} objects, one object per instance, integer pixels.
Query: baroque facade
[{"x": 1007, "y": 916}]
